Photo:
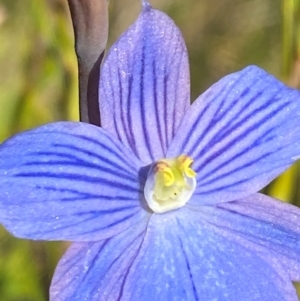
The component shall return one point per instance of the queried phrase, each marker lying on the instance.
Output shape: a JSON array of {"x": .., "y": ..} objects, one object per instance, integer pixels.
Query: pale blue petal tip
[
  {"x": 146, "y": 5},
  {"x": 133, "y": 68}
]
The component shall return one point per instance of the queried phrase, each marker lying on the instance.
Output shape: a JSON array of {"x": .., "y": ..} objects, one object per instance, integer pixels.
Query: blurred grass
[{"x": 38, "y": 84}]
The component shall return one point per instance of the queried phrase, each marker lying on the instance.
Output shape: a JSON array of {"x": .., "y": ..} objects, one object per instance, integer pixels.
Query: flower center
[{"x": 170, "y": 183}]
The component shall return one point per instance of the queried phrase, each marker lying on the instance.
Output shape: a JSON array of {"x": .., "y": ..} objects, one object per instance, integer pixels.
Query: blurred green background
[{"x": 38, "y": 84}]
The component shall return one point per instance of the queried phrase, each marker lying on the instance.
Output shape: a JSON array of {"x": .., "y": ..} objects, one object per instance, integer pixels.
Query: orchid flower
[{"x": 161, "y": 203}]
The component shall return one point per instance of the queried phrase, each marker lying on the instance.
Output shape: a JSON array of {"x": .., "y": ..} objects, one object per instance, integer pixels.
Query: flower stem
[{"x": 90, "y": 23}]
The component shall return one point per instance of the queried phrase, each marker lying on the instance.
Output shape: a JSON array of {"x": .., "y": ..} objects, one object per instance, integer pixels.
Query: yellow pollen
[
  {"x": 170, "y": 183},
  {"x": 165, "y": 173},
  {"x": 185, "y": 163},
  {"x": 170, "y": 179}
]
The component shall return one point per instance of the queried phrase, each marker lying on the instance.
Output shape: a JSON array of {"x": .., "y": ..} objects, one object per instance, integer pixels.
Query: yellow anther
[
  {"x": 171, "y": 177},
  {"x": 168, "y": 177},
  {"x": 185, "y": 163},
  {"x": 170, "y": 183},
  {"x": 165, "y": 172}
]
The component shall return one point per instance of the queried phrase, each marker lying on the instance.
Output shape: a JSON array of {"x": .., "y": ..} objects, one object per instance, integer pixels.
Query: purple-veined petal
[
  {"x": 144, "y": 86},
  {"x": 185, "y": 258},
  {"x": 68, "y": 181},
  {"x": 179, "y": 257},
  {"x": 96, "y": 271},
  {"x": 242, "y": 133},
  {"x": 263, "y": 221}
]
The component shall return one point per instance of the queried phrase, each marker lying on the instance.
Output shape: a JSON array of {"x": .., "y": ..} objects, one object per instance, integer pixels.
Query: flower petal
[
  {"x": 241, "y": 133},
  {"x": 264, "y": 221},
  {"x": 68, "y": 181},
  {"x": 144, "y": 86},
  {"x": 96, "y": 271},
  {"x": 179, "y": 257},
  {"x": 184, "y": 258}
]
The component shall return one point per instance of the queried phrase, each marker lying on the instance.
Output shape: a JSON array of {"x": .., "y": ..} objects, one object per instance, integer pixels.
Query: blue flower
[{"x": 161, "y": 201}]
